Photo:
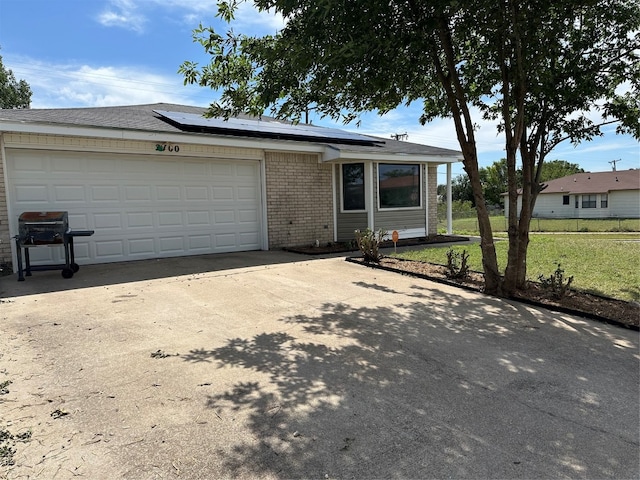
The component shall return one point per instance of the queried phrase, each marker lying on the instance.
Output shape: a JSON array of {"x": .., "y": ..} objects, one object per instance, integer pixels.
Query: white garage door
[{"x": 139, "y": 206}]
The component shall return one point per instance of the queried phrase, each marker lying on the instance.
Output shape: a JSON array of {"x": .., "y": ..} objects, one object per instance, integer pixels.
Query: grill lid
[
  {"x": 40, "y": 217},
  {"x": 42, "y": 228}
]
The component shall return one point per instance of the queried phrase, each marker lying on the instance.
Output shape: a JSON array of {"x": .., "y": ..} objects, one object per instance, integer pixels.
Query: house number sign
[{"x": 163, "y": 147}]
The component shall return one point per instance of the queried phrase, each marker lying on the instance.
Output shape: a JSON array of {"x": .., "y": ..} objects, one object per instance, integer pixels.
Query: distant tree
[
  {"x": 13, "y": 93},
  {"x": 461, "y": 189},
  {"x": 495, "y": 181},
  {"x": 553, "y": 169}
]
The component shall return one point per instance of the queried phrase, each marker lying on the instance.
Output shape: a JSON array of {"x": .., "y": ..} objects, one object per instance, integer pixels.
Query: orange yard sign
[{"x": 394, "y": 236}]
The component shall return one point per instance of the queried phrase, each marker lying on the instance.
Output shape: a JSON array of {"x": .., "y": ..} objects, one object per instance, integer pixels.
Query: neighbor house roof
[
  {"x": 596, "y": 182},
  {"x": 144, "y": 120}
]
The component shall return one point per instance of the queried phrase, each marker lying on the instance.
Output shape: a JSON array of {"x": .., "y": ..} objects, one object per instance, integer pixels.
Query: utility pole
[{"x": 613, "y": 162}]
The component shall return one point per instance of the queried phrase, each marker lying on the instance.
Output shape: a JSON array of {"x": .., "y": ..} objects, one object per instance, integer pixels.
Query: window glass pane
[
  {"x": 604, "y": 201},
  {"x": 353, "y": 186},
  {"x": 565, "y": 199},
  {"x": 589, "y": 201},
  {"x": 399, "y": 186}
]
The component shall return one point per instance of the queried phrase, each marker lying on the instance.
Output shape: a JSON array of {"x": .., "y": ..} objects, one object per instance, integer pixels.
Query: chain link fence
[{"x": 465, "y": 222}]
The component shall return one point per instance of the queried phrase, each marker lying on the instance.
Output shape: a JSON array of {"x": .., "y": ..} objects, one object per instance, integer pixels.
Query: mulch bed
[
  {"x": 345, "y": 247},
  {"x": 609, "y": 310}
]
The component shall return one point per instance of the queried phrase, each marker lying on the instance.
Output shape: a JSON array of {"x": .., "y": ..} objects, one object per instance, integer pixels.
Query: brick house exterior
[{"x": 150, "y": 187}]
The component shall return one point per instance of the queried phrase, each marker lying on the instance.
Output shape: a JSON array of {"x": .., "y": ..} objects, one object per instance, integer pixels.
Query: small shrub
[
  {"x": 457, "y": 264},
  {"x": 556, "y": 283},
  {"x": 369, "y": 244}
]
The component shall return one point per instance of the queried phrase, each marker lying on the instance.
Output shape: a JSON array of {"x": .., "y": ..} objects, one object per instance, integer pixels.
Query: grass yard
[
  {"x": 469, "y": 226},
  {"x": 606, "y": 264}
]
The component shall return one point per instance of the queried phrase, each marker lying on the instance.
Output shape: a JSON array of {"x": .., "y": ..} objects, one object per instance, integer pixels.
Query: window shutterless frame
[
  {"x": 399, "y": 186},
  {"x": 352, "y": 187}
]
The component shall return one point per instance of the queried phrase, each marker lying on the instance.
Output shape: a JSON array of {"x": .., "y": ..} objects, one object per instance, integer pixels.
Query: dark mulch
[
  {"x": 610, "y": 310},
  {"x": 345, "y": 247}
]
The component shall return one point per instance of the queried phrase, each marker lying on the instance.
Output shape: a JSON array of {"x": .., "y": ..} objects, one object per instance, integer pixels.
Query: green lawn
[
  {"x": 607, "y": 264},
  {"x": 469, "y": 226}
]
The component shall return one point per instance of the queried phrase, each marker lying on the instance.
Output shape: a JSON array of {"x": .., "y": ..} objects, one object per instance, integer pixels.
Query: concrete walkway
[{"x": 276, "y": 365}]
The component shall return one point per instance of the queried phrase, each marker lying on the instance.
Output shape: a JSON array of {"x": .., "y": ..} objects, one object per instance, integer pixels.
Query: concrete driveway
[{"x": 275, "y": 365}]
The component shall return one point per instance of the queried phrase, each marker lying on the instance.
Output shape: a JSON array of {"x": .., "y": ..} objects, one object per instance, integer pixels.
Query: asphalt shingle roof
[
  {"x": 596, "y": 182},
  {"x": 143, "y": 118}
]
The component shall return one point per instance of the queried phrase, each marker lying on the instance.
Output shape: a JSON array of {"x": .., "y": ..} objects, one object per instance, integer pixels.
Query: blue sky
[{"x": 86, "y": 53}]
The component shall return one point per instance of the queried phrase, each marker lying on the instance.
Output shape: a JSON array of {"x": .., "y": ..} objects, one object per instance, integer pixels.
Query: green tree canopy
[
  {"x": 557, "y": 169},
  {"x": 536, "y": 66},
  {"x": 495, "y": 184},
  {"x": 13, "y": 93}
]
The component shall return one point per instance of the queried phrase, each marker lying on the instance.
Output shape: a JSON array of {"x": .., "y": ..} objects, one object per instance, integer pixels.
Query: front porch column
[{"x": 449, "y": 202}]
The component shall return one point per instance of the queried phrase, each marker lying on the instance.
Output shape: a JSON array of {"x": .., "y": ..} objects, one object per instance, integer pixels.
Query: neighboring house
[
  {"x": 589, "y": 195},
  {"x": 161, "y": 180}
]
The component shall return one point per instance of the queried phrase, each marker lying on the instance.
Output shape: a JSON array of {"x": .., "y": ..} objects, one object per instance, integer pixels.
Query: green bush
[
  {"x": 369, "y": 244},
  {"x": 556, "y": 283},
  {"x": 457, "y": 264}
]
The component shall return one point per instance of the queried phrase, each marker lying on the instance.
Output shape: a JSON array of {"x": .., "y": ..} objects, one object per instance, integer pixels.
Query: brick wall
[{"x": 299, "y": 200}]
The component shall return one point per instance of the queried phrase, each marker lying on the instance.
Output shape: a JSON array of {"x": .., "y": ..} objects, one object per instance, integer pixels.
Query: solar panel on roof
[{"x": 265, "y": 129}]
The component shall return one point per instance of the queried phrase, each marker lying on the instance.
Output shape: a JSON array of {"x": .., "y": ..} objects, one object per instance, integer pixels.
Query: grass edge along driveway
[{"x": 605, "y": 264}]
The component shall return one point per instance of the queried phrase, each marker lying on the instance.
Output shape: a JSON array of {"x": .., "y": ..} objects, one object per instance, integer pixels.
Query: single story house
[
  {"x": 588, "y": 195},
  {"x": 161, "y": 180}
]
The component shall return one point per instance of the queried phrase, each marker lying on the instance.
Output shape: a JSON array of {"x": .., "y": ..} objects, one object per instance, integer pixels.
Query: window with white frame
[
  {"x": 565, "y": 199},
  {"x": 604, "y": 201},
  {"x": 399, "y": 186},
  {"x": 589, "y": 201},
  {"x": 353, "y": 187}
]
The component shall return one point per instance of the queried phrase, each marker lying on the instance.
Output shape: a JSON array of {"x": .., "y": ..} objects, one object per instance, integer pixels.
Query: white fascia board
[
  {"x": 164, "y": 137},
  {"x": 332, "y": 154}
]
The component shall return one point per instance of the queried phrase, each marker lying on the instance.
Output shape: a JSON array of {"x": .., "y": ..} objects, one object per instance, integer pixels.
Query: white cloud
[
  {"x": 133, "y": 15},
  {"x": 123, "y": 14},
  {"x": 68, "y": 85}
]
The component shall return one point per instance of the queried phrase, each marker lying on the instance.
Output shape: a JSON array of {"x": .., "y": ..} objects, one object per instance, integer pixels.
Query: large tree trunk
[
  {"x": 511, "y": 271},
  {"x": 492, "y": 277}
]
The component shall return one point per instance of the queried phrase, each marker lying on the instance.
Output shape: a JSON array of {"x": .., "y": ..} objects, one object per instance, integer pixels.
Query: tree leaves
[{"x": 13, "y": 93}]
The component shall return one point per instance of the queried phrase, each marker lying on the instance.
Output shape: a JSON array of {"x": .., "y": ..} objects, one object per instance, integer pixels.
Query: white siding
[{"x": 621, "y": 204}]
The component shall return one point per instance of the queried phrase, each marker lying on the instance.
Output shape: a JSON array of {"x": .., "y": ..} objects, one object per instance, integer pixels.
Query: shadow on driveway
[
  {"x": 136, "y": 271},
  {"x": 436, "y": 387}
]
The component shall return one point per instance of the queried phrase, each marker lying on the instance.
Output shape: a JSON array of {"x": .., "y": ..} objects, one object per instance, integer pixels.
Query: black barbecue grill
[{"x": 37, "y": 229}]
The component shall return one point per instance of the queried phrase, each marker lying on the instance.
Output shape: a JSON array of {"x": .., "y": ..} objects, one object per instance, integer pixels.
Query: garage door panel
[
  {"x": 139, "y": 220},
  {"x": 171, "y": 244},
  {"x": 109, "y": 249},
  {"x": 166, "y": 193},
  {"x": 198, "y": 218},
  {"x": 81, "y": 251},
  {"x": 80, "y": 221},
  {"x": 195, "y": 193},
  {"x": 67, "y": 165},
  {"x": 135, "y": 193},
  {"x": 69, "y": 193},
  {"x": 248, "y": 238},
  {"x": 142, "y": 246},
  {"x": 224, "y": 217},
  {"x": 107, "y": 221},
  {"x": 104, "y": 193},
  {"x": 222, "y": 193},
  {"x": 199, "y": 242},
  {"x": 140, "y": 207},
  {"x": 247, "y": 216},
  {"x": 30, "y": 194}
]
